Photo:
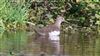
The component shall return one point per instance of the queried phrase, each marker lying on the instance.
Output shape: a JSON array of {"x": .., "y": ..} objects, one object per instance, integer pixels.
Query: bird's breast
[{"x": 54, "y": 35}]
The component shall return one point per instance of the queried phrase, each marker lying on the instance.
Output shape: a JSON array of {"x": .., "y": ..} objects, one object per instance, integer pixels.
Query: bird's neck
[{"x": 57, "y": 23}]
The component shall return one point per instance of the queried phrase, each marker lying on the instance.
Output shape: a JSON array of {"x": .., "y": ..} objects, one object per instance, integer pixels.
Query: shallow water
[{"x": 72, "y": 43}]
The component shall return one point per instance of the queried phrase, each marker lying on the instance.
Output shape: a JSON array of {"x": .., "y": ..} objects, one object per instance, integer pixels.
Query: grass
[{"x": 12, "y": 15}]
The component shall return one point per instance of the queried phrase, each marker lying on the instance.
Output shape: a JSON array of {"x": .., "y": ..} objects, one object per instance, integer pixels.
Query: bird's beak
[{"x": 65, "y": 21}]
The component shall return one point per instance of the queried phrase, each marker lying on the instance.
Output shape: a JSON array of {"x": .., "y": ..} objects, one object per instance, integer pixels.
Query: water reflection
[
  {"x": 73, "y": 43},
  {"x": 51, "y": 47}
]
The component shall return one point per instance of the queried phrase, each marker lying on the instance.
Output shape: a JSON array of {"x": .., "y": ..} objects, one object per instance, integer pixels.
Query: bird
[
  {"x": 48, "y": 35},
  {"x": 51, "y": 30},
  {"x": 51, "y": 34}
]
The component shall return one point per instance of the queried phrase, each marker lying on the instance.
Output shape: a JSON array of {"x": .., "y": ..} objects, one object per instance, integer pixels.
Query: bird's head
[{"x": 60, "y": 19}]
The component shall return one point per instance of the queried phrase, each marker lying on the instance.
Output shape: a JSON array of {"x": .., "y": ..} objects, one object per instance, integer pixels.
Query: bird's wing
[
  {"x": 46, "y": 30},
  {"x": 39, "y": 31}
]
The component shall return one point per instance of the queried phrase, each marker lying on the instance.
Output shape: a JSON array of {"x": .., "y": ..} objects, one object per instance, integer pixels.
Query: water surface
[{"x": 72, "y": 43}]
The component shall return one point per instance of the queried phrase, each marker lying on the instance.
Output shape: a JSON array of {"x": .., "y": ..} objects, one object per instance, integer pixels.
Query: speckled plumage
[{"x": 50, "y": 30}]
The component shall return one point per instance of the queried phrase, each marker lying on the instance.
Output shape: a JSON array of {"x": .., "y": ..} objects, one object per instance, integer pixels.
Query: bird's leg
[{"x": 56, "y": 46}]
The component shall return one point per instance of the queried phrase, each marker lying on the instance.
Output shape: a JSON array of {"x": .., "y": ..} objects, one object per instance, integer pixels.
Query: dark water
[{"x": 74, "y": 42}]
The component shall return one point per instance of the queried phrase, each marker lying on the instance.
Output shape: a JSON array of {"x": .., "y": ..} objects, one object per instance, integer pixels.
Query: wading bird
[{"x": 50, "y": 34}]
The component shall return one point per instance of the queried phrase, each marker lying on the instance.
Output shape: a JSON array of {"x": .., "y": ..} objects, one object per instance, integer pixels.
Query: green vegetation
[
  {"x": 15, "y": 14},
  {"x": 12, "y": 15}
]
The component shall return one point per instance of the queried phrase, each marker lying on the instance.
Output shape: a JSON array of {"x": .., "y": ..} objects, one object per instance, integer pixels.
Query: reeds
[{"x": 12, "y": 14}]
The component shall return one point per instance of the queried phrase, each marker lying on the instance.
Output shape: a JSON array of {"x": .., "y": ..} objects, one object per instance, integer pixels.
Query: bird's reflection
[{"x": 47, "y": 44}]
